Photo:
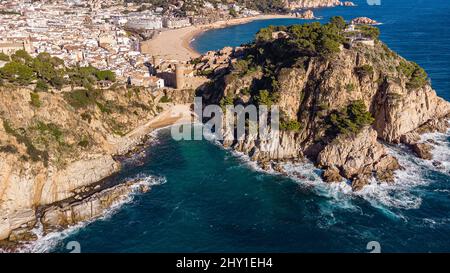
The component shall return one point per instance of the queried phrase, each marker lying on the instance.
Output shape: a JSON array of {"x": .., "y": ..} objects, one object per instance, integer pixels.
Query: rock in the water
[
  {"x": 308, "y": 15},
  {"x": 437, "y": 164},
  {"x": 331, "y": 175},
  {"x": 386, "y": 167},
  {"x": 410, "y": 138},
  {"x": 359, "y": 182},
  {"x": 265, "y": 165},
  {"x": 423, "y": 150},
  {"x": 364, "y": 21},
  {"x": 144, "y": 188}
]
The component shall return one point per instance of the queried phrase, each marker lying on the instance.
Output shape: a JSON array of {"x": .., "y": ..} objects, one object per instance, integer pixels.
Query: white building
[
  {"x": 156, "y": 82},
  {"x": 145, "y": 23},
  {"x": 176, "y": 22}
]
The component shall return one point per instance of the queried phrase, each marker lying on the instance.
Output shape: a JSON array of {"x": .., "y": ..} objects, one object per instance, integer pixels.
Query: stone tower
[
  {"x": 179, "y": 76},
  {"x": 27, "y": 45}
]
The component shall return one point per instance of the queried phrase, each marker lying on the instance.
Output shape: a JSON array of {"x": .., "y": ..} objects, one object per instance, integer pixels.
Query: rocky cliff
[
  {"x": 55, "y": 144},
  {"x": 338, "y": 96}
]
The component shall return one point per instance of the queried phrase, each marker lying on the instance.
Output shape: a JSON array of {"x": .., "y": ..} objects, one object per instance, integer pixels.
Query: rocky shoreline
[
  {"x": 80, "y": 186},
  {"x": 87, "y": 202},
  {"x": 333, "y": 159}
]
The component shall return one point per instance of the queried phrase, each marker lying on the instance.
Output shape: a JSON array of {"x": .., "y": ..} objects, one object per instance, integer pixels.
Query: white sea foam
[
  {"x": 440, "y": 152},
  {"x": 387, "y": 198},
  {"x": 47, "y": 242}
]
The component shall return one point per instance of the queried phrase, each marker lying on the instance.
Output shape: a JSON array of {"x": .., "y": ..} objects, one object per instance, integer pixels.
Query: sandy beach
[{"x": 174, "y": 44}]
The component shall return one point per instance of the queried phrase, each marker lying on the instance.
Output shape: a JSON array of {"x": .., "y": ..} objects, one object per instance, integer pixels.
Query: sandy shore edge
[{"x": 175, "y": 44}]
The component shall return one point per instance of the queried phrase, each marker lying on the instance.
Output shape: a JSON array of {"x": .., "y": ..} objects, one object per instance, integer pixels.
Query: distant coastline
[{"x": 175, "y": 44}]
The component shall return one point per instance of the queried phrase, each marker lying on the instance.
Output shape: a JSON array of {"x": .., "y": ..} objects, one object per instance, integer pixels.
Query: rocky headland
[{"x": 340, "y": 100}]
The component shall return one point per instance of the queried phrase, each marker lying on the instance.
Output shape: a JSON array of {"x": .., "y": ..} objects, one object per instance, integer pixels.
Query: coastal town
[{"x": 122, "y": 36}]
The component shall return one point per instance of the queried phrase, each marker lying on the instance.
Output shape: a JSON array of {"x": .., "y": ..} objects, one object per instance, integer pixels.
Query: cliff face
[
  {"x": 336, "y": 108},
  {"x": 58, "y": 143},
  {"x": 357, "y": 157}
]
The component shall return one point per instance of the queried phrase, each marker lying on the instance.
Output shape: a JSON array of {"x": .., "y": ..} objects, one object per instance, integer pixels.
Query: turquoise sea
[{"x": 207, "y": 199}]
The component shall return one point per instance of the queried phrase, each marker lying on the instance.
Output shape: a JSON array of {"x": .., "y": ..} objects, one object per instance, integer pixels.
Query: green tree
[
  {"x": 17, "y": 72},
  {"x": 43, "y": 68},
  {"x": 22, "y": 56},
  {"x": 328, "y": 46},
  {"x": 4, "y": 57},
  {"x": 351, "y": 119},
  {"x": 57, "y": 82},
  {"x": 291, "y": 125},
  {"x": 233, "y": 13},
  {"x": 416, "y": 75},
  {"x": 264, "y": 34},
  {"x": 267, "y": 98},
  {"x": 241, "y": 66},
  {"x": 35, "y": 101},
  {"x": 41, "y": 86},
  {"x": 364, "y": 70},
  {"x": 107, "y": 75},
  {"x": 338, "y": 22},
  {"x": 227, "y": 100},
  {"x": 369, "y": 31}
]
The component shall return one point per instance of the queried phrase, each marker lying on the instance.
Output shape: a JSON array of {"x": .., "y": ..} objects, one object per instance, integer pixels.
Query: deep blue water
[{"x": 214, "y": 201}]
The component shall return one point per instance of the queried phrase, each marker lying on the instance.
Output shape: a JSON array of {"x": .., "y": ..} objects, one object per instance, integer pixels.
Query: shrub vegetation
[{"x": 351, "y": 119}]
